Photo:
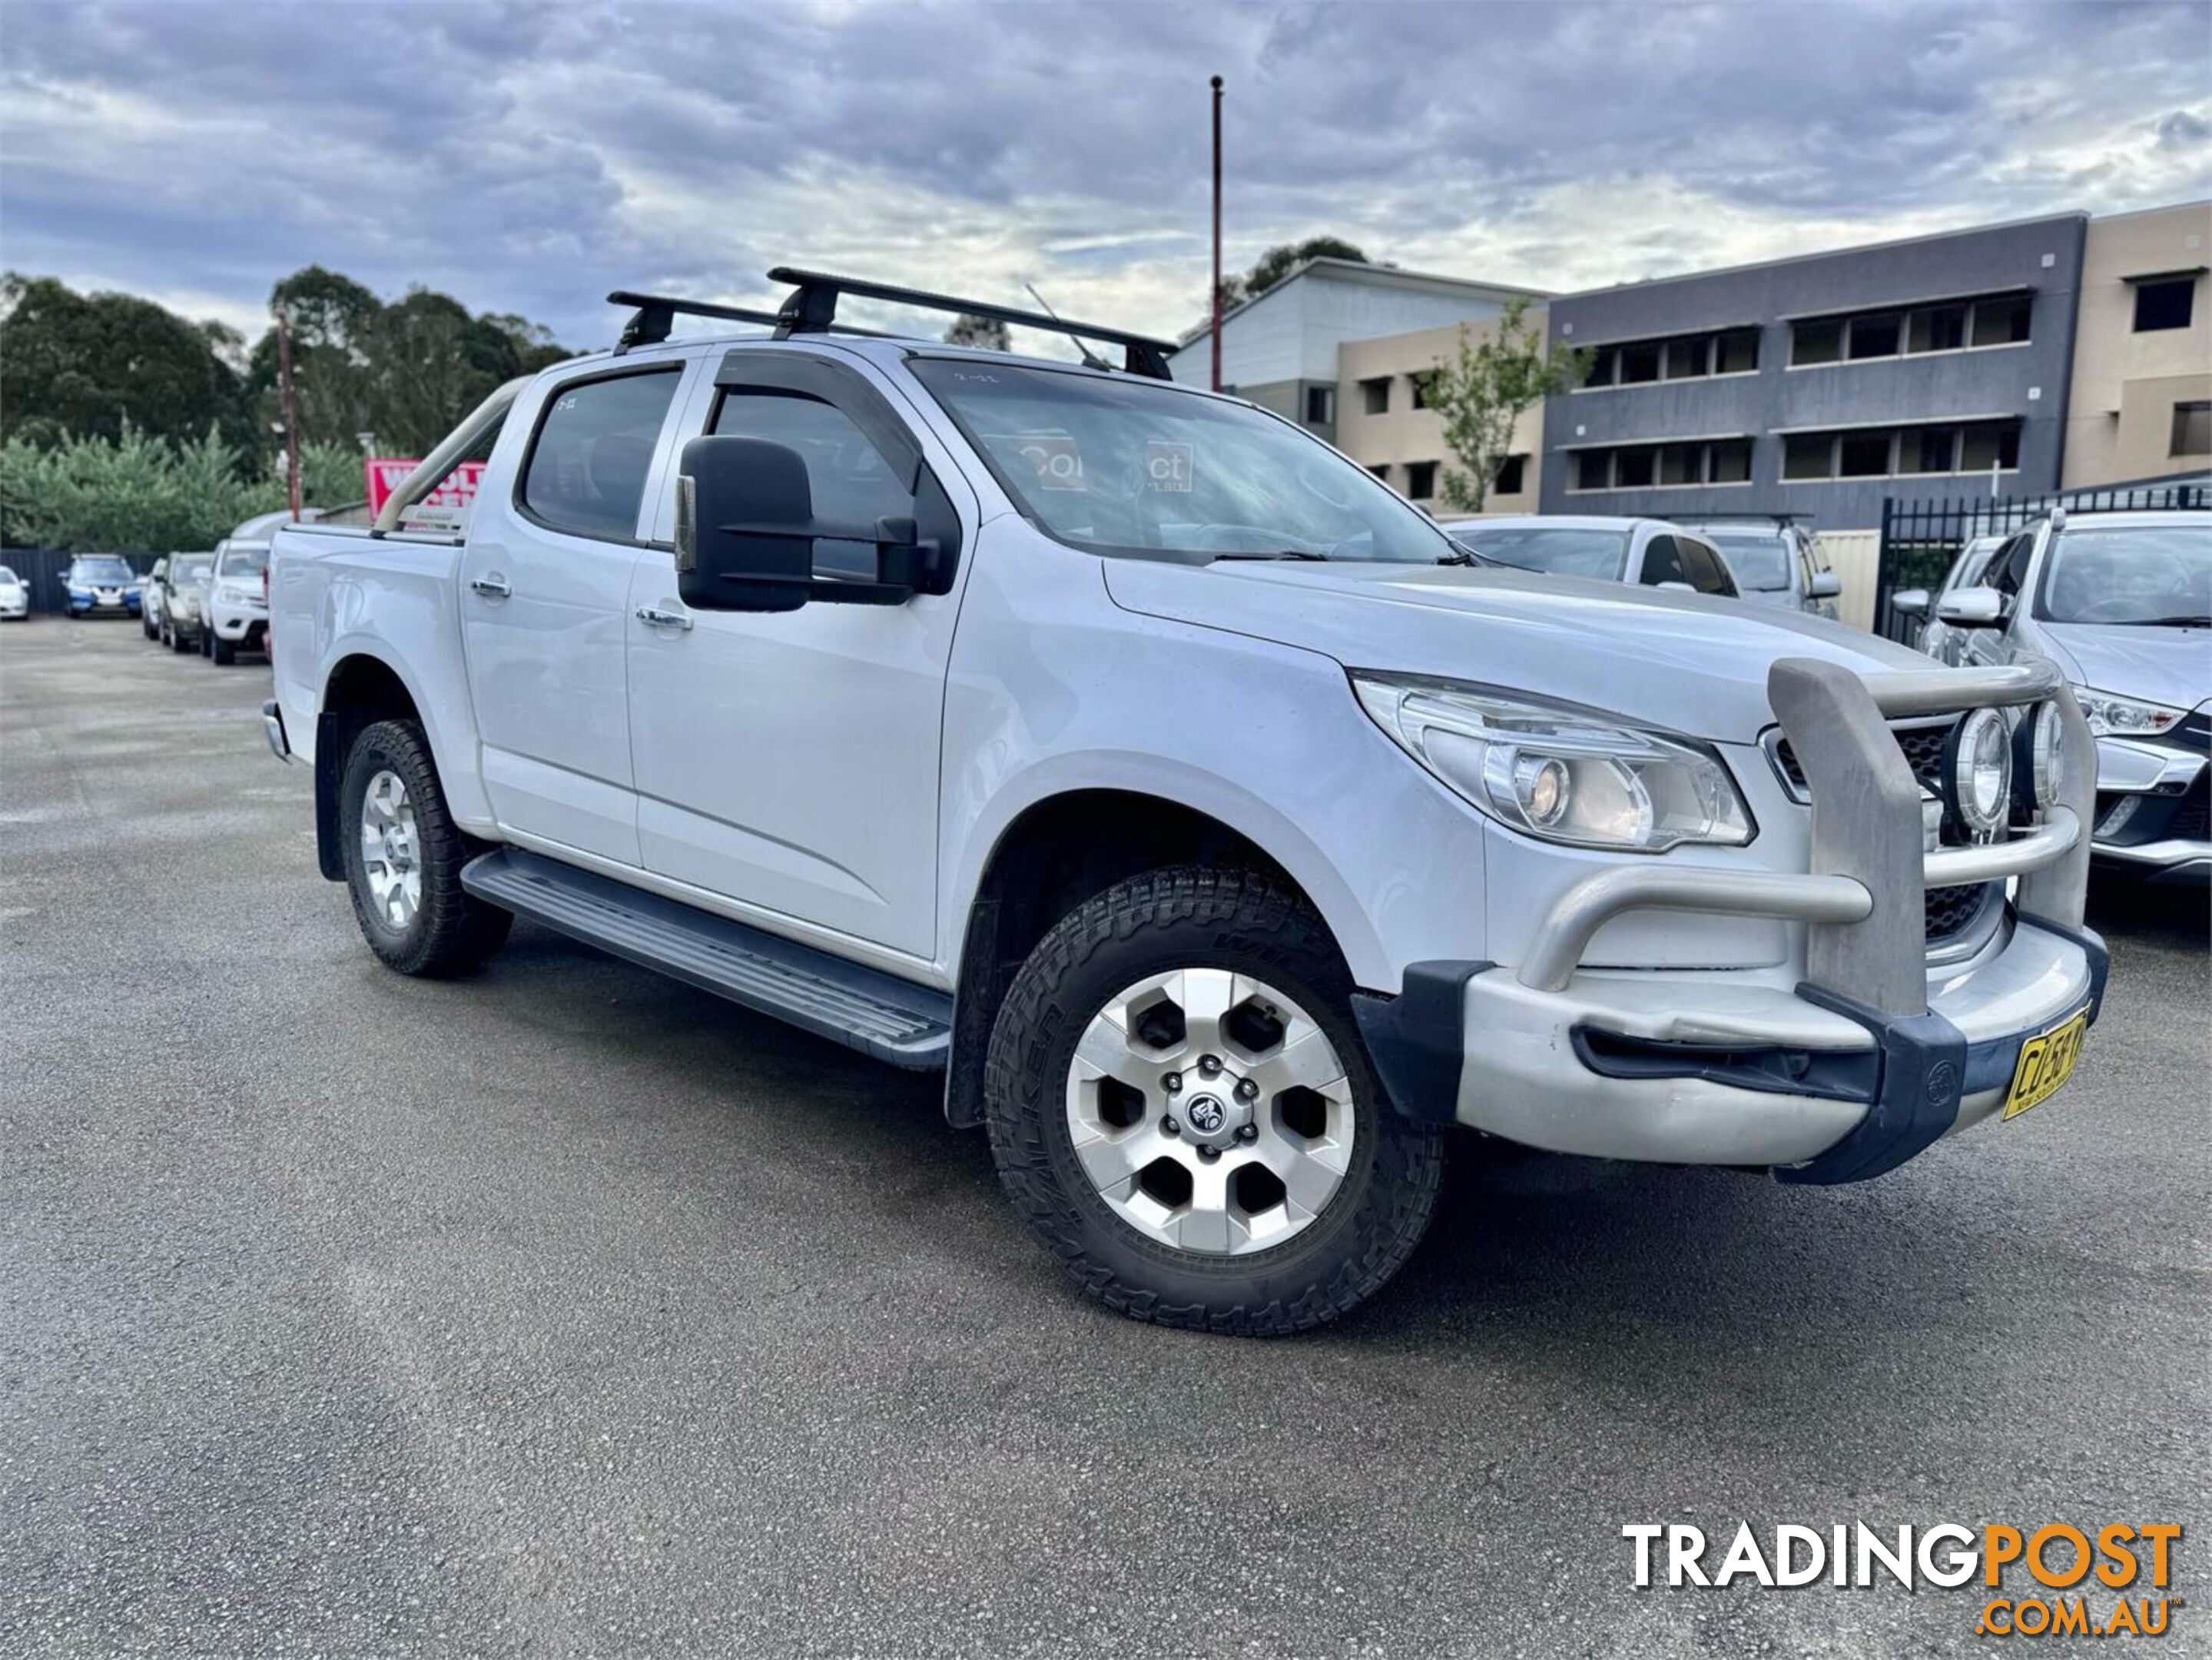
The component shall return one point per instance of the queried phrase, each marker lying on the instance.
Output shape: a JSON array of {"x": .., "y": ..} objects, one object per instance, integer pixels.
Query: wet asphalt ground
[{"x": 567, "y": 1310}]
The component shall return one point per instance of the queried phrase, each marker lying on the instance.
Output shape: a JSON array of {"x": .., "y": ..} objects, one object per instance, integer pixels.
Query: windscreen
[
  {"x": 192, "y": 565},
  {"x": 7, "y": 575},
  {"x": 244, "y": 562},
  {"x": 1138, "y": 468},
  {"x": 105, "y": 569},
  {"x": 1561, "y": 549},
  {"x": 1758, "y": 562},
  {"x": 2142, "y": 574}
]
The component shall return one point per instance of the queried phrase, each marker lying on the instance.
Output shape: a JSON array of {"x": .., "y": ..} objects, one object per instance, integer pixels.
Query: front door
[
  {"x": 788, "y": 760},
  {"x": 545, "y": 579}
]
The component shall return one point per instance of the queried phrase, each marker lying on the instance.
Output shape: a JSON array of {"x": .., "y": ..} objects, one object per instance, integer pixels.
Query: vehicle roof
[
  {"x": 2129, "y": 518},
  {"x": 1557, "y": 521}
]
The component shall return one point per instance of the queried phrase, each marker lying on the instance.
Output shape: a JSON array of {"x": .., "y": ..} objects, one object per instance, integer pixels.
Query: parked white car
[
  {"x": 1775, "y": 560},
  {"x": 1179, "y": 790},
  {"x": 1938, "y": 638},
  {"x": 1649, "y": 552},
  {"x": 15, "y": 596},
  {"x": 237, "y": 591}
]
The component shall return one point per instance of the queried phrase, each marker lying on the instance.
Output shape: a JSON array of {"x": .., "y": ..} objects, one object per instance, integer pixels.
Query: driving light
[
  {"x": 2036, "y": 755},
  {"x": 2123, "y": 717},
  {"x": 1557, "y": 772},
  {"x": 1977, "y": 772}
]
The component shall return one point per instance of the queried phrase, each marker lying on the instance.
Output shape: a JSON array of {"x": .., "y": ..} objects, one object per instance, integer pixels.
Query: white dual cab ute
[{"x": 1179, "y": 791}]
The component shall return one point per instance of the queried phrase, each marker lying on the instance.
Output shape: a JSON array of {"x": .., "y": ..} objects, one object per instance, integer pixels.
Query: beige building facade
[
  {"x": 1382, "y": 424},
  {"x": 2141, "y": 404}
]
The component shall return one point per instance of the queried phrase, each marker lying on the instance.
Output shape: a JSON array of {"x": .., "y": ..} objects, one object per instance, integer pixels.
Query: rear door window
[
  {"x": 1702, "y": 569},
  {"x": 1662, "y": 562},
  {"x": 592, "y": 449}
]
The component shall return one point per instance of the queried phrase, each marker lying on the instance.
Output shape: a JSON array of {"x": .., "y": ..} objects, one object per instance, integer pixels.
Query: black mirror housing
[{"x": 745, "y": 534}]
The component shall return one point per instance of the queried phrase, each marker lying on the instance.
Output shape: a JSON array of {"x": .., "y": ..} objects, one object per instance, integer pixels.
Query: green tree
[
  {"x": 1483, "y": 391},
  {"x": 984, "y": 333},
  {"x": 1278, "y": 262},
  {"x": 100, "y": 363}
]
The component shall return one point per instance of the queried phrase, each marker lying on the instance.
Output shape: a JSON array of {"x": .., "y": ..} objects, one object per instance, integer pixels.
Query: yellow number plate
[{"x": 2046, "y": 1063}]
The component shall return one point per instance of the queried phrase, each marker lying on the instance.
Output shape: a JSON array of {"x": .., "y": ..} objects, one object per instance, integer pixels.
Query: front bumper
[
  {"x": 1869, "y": 1058},
  {"x": 18, "y": 606},
  {"x": 2152, "y": 810},
  {"x": 240, "y": 624},
  {"x": 98, "y": 604}
]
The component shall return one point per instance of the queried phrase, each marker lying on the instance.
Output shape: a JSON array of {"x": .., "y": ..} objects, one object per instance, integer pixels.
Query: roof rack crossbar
[
  {"x": 657, "y": 313},
  {"x": 813, "y": 307}
]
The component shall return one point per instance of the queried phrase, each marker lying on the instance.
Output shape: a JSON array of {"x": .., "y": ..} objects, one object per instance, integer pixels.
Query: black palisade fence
[{"x": 1920, "y": 538}]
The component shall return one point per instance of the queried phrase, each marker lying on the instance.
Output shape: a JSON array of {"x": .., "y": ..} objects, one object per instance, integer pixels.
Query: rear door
[
  {"x": 788, "y": 760},
  {"x": 545, "y": 578}
]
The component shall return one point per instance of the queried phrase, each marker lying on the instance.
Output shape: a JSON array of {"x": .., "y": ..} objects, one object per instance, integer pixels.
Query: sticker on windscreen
[
  {"x": 1056, "y": 457},
  {"x": 1168, "y": 466}
]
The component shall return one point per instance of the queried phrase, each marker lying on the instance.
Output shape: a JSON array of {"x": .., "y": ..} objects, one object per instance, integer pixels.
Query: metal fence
[{"x": 1920, "y": 539}]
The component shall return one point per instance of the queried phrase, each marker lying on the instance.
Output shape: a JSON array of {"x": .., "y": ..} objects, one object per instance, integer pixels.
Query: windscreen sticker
[
  {"x": 1168, "y": 466},
  {"x": 1056, "y": 457}
]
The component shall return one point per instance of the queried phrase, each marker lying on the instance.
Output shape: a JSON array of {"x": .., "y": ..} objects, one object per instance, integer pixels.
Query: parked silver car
[
  {"x": 1775, "y": 560},
  {"x": 1937, "y": 638},
  {"x": 1648, "y": 551},
  {"x": 2122, "y": 603},
  {"x": 176, "y": 595}
]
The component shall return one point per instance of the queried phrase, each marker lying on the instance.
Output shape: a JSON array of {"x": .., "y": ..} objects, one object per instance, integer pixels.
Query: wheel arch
[
  {"x": 360, "y": 689},
  {"x": 1062, "y": 848}
]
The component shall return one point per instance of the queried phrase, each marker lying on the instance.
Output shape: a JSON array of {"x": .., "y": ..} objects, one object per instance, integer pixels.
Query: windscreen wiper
[
  {"x": 2178, "y": 622},
  {"x": 1277, "y": 553},
  {"x": 1467, "y": 556}
]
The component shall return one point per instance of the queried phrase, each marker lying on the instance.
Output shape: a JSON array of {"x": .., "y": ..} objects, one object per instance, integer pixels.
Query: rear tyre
[
  {"x": 225, "y": 652},
  {"x": 1181, "y": 1107},
  {"x": 403, "y": 855},
  {"x": 146, "y": 626}
]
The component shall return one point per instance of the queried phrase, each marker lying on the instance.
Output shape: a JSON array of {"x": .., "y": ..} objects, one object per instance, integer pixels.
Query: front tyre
[
  {"x": 1179, "y": 1105},
  {"x": 224, "y": 652},
  {"x": 403, "y": 855}
]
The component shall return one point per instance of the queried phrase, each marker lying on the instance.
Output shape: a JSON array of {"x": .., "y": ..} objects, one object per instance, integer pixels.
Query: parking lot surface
[{"x": 565, "y": 1309}]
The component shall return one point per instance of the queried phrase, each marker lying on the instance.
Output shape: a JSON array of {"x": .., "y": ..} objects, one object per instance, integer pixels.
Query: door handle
[
  {"x": 664, "y": 619},
  {"x": 492, "y": 586}
]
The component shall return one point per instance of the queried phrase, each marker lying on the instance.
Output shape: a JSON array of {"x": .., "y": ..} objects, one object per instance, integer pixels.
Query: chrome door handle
[
  {"x": 663, "y": 619},
  {"x": 493, "y": 586}
]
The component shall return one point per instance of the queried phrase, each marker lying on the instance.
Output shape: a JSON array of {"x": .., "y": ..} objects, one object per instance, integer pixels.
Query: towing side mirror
[
  {"x": 1827, "y": 585},
  {"x": 745, "y": 532},
  {"x": 1971, "y": 608},
  {"x": 1909, "y": 602}
]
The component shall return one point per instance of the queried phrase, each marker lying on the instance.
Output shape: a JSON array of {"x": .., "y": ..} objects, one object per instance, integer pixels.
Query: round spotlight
[
  {"x": 2037, "y": 756},
  {"x": 1977, "y": 773}
]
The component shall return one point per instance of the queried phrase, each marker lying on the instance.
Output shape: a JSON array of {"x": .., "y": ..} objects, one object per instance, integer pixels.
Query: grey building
[{"x": 1818, "y": 386}]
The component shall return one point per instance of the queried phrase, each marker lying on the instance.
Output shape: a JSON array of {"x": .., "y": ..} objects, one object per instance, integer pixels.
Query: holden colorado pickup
[{"x": 1184, "y": 795}]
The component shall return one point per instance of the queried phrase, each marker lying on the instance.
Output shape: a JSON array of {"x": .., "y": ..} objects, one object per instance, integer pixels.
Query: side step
[{"x": 863, "y": 1008}]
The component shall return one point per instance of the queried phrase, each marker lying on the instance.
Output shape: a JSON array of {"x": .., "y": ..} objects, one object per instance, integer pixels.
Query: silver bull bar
[{"x": 1865, "y": 898}]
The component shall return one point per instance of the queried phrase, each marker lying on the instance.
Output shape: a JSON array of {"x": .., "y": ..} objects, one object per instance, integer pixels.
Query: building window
[
  {"x": 1728, "y": 462},
  {"x": 1374, "y": 396},
  {"x": 1639, "y": 363},
  {"x": 1890, "y": 452},
  {"x": 1420, "y": 480},
  {"x": 1381, "y": 470},
  {"x": 2192, "y": 429},
  {"x": 1321, "y": 405},
  {"x": 1605, "y": 366},
  {"x": 1420, "y": 386},
  {"x": 1513, "y": 476},
  {"x": 2167, "y": 305},
  {"x": 1999, "y": 320},
  {"x": 1735, "y": 351},
  {"x": 1634, "y": 469},
  {"x": 1683, "y": 465},
  {"x": 1592, "y": 470},
  {"x": 1690, "y": 357}
]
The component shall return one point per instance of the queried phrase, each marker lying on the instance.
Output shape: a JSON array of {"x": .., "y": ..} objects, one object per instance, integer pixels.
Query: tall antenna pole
[
  {"x": 291, "y": 414},
  {"x": 1217, "y": 233}
]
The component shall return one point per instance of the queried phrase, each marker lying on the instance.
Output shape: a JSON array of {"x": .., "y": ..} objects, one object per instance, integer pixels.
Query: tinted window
[
  {"x": 1707, "y": 574},
  {"x": 2010, "y": 565},
  {"x": 594, "y": 448},
  {"x": 1662, "y": 562},
  {"x": 852, "y": 484}
]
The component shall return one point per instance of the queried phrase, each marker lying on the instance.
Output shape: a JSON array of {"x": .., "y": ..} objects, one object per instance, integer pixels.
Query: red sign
[{"x": 457, "y": 491}]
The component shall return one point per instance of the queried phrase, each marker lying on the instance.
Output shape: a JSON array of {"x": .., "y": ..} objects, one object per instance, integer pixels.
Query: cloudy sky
[{"x": 529, "y": 155}]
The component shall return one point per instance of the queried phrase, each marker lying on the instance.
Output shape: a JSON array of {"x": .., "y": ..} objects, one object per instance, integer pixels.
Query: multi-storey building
[
  {"x": 2142, "y": 405},
  {"x": 1384, "y": 422}
]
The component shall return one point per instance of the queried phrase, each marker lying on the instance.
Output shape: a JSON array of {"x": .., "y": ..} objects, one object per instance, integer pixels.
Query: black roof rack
[
  {"x": 657, "y": 313},
  {"x": 1745, "y": 518},
  {"x": 812, "y": 308}
]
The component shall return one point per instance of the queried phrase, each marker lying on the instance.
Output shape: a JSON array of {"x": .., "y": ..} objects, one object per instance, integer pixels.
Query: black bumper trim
[
  {"x": 1417, "y": 1039},
  {"x": 1924, "y": 1075}
]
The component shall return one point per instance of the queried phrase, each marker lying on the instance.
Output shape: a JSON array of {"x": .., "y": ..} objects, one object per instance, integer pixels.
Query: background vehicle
[
  {"x": 15, "y": 595},
  {"x": 1938, "y": 638},
  {"x": 1775, "y": 560},
  {"x": 149, "y": 598},
  {"x": 2122, "y": 603},
  {"x": 1650, "y": 552},
  {"x": 176, "y": 594},
  {"x": 237, "y": 608},
  {"x": 1179, "y": 789},
  {"x": 101, "y": 584}
]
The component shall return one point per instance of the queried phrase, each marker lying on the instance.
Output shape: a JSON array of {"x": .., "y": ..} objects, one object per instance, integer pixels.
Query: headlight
[
  {"x": 1557, "y": 772},
  {"x": 232, "y": 593},
  {"x": 1978, "y": 771},
  {"x": 2125, "y": 717},
  {"x": 2037, "y": 756}
]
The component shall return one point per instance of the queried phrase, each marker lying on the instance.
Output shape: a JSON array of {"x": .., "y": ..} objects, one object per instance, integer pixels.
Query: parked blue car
[{"x": 102, "y": 582}]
